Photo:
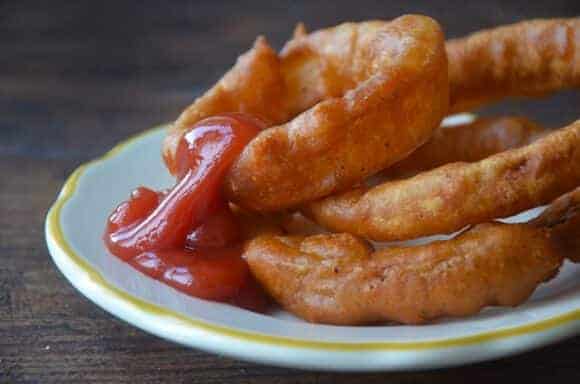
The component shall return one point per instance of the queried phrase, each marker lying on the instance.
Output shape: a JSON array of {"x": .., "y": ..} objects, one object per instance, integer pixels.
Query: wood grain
[{"x": 75, "y": 78}]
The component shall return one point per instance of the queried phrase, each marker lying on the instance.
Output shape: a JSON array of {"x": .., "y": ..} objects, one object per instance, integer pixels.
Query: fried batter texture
[
  {"x": 338, "y": 279},
  {"x": 362, "y": 97},
  {"x": 453, "y": 196},
  {"x": 563, "y": 218},
  {"x": 530, "y": 58},
  {"x": 469, "y": 142},
  {"x": 347, "y": 102}
]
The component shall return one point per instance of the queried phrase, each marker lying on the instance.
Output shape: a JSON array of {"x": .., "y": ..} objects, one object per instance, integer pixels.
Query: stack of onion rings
[
  {"x": 361, "y": 90},
  {"x": 348, "y": 102}
]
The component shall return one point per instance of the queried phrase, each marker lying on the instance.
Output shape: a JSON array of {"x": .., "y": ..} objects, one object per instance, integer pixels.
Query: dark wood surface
[{"x": 76, "y": 77}]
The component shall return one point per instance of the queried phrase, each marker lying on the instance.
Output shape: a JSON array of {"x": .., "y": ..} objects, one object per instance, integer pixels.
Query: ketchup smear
[{"x": 187, "y": 237}]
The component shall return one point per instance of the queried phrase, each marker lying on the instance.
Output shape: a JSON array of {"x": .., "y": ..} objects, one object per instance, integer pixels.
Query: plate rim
[{"x": 57, "y": 242}]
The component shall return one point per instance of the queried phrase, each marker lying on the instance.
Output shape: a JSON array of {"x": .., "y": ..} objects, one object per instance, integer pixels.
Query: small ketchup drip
[{"x": 188, "y": 237}]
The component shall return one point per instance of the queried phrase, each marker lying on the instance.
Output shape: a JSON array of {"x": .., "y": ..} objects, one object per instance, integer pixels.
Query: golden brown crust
[
  {"x": 469, "y": 142},
  {"x": 567, "y": 236},
  {"x": 448, "y": 198},
  {"x": 337, "y": 279},
  {"x": 369, "y": 82},
  {"x": 375, "y": 90},
  {"x": 530, "y": 58},
  {"x": 563, "y": 219},
  {"x": 363, "y": 96}
]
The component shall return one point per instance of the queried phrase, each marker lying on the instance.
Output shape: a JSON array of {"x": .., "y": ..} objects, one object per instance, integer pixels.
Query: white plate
[{"x": 74, "y": 226}]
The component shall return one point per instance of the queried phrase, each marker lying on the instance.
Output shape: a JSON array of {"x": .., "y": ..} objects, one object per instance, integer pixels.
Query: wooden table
[{"x": 77, "y": 77}]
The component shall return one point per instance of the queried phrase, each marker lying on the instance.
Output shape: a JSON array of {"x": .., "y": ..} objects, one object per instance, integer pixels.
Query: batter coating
[
  {"x": 453, "y": 196},
  {"x": 344, "y": 103},
  {"x": 563, "y": 217},
  {"x": 469, "y": 142},
  {"x": 376, "y": 90},
  {"x": 338, "y": 279},
  {"x": 530, "y": 58}
]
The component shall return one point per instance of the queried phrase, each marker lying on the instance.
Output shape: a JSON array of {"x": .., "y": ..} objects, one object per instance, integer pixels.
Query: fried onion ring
[
  {"x": 338, "y": 279},
  {"x": 526, "y": 59},
  {"x": 469, "y": 142},
  {"x": 376, "y": 90},
  {"x": 453, "y": 196}
]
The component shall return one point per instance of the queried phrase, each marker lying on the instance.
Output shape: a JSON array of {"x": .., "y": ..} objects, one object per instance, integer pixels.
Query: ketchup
[{"x": 187, "y": 237}]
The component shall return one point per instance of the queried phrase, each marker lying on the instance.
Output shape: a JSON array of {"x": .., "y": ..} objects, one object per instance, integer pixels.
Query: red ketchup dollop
[{"x": 187, "y": 237}]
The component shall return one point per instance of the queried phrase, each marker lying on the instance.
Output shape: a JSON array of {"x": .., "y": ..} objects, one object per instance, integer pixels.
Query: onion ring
[
  {"x": 453, "y": 196},
  {"x": 530, "y": 58},
  {"x": 376, "y": 90},
  {"x": 468, "y": 142},
  {"x": 338, "y": 279}
]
